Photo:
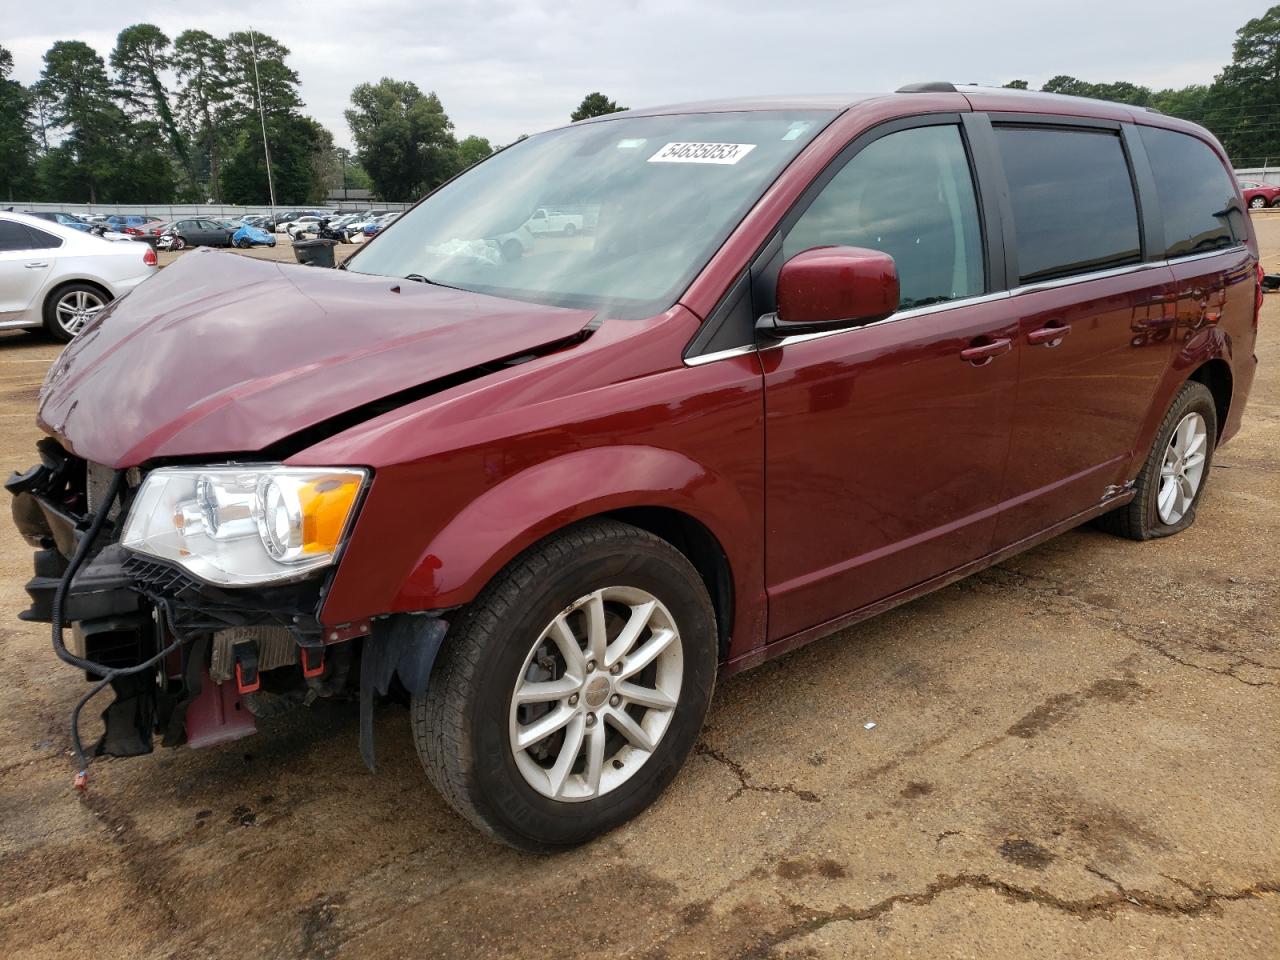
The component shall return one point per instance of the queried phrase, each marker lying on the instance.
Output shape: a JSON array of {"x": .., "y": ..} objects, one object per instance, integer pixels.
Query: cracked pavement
[{"x": 1074, "y": 754}]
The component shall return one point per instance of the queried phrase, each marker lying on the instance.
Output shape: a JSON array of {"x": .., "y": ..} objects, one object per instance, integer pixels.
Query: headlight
[{"x": 239, "y": 526}]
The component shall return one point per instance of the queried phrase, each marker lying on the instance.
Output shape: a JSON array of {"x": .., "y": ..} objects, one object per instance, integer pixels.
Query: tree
[
  {"x": 75, "y": 84},
  {"x": 472, "y": 150},
  {"x": 141, "y": 52},
  {"x": 277, "y": 81},
  {"x": 17, "y": 145},
  {"x": 1240, "y": 105},
  {"x": 1016, "y": 85},
  {"x": 201, "y": 61},
  {"x": 297, "y": 143},
  {"x": 404, "y": 139},
  {"x": 595, "y": 105}
]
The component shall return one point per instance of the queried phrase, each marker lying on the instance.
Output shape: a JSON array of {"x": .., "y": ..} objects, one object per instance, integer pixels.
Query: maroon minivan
[{"x": 804, "y": 360}]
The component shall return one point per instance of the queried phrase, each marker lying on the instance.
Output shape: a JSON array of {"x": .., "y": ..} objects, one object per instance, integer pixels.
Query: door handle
[
  {"x": 1049, "y": 335},
  {"x": 35, "y": 266},
  {"x": 985, "y": 352}
]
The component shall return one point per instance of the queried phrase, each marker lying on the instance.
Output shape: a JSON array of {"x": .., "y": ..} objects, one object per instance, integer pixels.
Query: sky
[{"x": 507, "y": 67}]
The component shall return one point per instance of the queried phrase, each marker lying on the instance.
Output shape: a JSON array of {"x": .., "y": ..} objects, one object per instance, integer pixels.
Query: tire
[
  {"x": 243, "y": 243},
  {"x": 1143, "y": 518},
  {"x": 178, "y": 244},
  {"x": 466, "y": 722},
  {"x": 1257, "y": 203},
  {"x": 1275, "y": 202},
  {"x": 570, "y": 229},
  {"x": 512, "y": 250},
  {"x": 68, "y": 308}
]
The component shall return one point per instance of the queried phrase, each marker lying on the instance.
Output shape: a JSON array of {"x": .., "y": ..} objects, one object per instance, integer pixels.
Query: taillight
[{"x": 149, "y": 258}]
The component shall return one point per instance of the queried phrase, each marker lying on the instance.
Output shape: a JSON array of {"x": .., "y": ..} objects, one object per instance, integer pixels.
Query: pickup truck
[{"x": 549, "y": 221}]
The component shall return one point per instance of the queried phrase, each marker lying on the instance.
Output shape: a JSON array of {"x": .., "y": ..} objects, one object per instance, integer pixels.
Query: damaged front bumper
[{"x": 187, "y": 660}]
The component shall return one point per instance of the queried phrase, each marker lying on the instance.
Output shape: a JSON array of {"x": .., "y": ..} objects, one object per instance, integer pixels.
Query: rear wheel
[
  {"x": 69, "y": 308},
  {"x": 569, "y": 693},
  {"x": 1257, "y": 203},
  {"x": 1176, "y": 470}
]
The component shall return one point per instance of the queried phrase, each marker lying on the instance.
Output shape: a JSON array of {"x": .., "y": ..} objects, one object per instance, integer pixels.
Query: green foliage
[
  {"x": 595, "y": 105},
  {"x": 17, "y": 140},
  {"x": 404, "y": 139},
  {"x": 1016, "y": 85},
  {"x": 140, "y": 54},
  {"x": 201, "y": 62},
  {"x": 295, "y": 143},
  {"x": 473, "y": 149}
]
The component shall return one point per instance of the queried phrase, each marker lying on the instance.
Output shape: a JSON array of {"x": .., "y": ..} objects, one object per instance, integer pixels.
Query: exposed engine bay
[{"x": 188, "y": 661}]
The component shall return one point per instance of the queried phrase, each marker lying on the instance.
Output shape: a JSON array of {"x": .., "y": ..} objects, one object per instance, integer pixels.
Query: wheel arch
[
  {"x": 701, "y": 548},
  {"x": 700, "y": 512},
  {"x": 63, "y": 283},
  {"x": 1216, "y": 375}
]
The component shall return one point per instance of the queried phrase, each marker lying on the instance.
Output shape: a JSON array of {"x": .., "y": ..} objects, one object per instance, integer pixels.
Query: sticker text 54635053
[{"x": 702, "y": 153}]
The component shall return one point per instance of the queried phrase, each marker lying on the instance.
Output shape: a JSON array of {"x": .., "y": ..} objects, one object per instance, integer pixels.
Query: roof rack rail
[{"x": 928, "y": 86}]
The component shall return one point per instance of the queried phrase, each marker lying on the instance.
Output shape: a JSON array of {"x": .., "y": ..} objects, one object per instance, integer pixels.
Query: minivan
[{"x": 817, "y": 357}]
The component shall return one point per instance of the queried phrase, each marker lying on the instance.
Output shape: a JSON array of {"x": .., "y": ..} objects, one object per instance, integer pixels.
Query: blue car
[
  {"x": 66, "y": 219},
  {"x": 119, "y": 221},
  {"x": 249, "y": 236}
]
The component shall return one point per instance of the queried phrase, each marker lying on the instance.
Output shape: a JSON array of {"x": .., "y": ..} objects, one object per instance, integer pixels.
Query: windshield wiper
[{"x": 419, "y": 278}]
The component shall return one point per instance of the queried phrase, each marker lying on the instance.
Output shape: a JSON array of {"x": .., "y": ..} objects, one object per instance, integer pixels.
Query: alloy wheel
[
  {"x": 76, "y": 308},
  {"x": 1182, "y": 468},
  {"x": 596, "y": 693}
]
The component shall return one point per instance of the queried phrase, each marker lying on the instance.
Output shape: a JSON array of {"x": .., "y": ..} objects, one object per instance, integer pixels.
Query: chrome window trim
[
  {"x": 719, "y": 355},
  {"x": 1187, "y": 257},
  {"x": 893, "y": 318},
  {"x": 1017, "y": 291},
  {"x": 1086, "y": 277}
]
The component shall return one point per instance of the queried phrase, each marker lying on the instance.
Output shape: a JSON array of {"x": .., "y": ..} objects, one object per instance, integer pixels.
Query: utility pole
[{"x": 262, "y": 115}]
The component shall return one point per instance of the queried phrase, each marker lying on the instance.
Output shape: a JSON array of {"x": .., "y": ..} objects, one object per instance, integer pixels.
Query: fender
[
  {"x": 1210, "y": 343},
  {"x": 494, "y": 527}
]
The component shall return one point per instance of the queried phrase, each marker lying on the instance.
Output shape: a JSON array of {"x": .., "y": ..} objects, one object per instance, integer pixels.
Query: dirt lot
[{"x": 1074, "y": 754}]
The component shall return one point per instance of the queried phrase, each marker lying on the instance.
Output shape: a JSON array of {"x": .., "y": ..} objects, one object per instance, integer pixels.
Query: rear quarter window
[
  {"x": 1073, "y": 203},
  {"x": 1197, "y": 197}
]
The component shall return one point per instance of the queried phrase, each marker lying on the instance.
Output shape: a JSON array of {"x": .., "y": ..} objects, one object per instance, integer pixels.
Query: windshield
[{"x": 617, "y": 216}]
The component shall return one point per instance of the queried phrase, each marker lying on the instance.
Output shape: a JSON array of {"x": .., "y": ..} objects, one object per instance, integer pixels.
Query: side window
[
  {"x": 1196, "y": 196},
  {"x": 43, "y": 241},
  {"x": 13, "y": 236},
  {"x": 909, "y": 194},
  {"x": 1073, "y": 205}
]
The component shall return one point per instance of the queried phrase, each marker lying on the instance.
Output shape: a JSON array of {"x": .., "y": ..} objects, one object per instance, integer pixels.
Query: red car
[
  {"x": 148, "y": 228},
  {"x": 1258, "y": 195},
  {"x": 815, "y": 357}
]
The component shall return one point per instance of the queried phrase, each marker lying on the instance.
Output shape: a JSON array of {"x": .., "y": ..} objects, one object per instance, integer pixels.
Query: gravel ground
[{"x": 1074, "y": 755}]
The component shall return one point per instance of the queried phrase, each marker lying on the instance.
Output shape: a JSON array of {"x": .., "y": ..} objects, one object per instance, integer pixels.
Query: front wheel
[
  {"x": 1173, "y": 478},
  {"x": 569, "y": 693},
  {"x": 1257, "y": 203}
]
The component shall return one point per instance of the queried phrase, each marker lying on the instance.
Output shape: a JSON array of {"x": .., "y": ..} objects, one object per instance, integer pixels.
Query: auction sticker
[{"x": 702, "y": 153}]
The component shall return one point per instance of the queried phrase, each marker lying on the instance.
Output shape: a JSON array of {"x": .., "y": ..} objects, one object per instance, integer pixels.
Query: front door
[{"x": 885, "y": 446}]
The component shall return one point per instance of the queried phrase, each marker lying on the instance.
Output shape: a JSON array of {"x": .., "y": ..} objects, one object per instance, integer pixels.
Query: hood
[{"x": 225, "y": 354}]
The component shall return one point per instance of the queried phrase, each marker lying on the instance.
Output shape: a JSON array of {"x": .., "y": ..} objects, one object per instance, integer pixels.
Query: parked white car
[
  {"x": 302, "y": 225},
  {"x": 58, "y": 278},
  {"x": 551, "y": 221}
]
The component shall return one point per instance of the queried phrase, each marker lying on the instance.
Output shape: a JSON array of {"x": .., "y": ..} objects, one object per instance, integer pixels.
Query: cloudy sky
[{"x": 506, "y": 67}]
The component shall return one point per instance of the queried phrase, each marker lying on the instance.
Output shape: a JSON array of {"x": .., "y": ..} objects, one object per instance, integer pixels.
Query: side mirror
[{"x": 827, "y": 288}]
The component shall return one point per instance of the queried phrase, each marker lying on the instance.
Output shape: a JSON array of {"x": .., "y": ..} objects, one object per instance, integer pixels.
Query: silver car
[{"x": 58, "y": 278}]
